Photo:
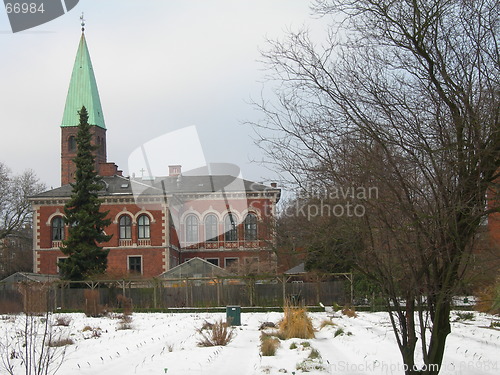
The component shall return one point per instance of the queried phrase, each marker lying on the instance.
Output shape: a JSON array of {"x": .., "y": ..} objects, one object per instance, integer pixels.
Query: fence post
[
  {"x": 284, "y": 289},
  {"x": 154, "y": 294}
]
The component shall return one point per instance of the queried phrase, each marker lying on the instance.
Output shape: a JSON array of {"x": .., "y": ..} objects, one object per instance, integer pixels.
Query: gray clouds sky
[{"x": 160, "y": 66}]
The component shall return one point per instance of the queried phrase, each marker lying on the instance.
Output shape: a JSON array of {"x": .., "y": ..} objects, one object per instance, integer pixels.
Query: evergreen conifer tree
[{"x": 85, "y": 221}]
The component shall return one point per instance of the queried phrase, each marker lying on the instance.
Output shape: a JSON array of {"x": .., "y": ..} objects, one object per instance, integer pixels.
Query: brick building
[{"x": 157, "y": 222}]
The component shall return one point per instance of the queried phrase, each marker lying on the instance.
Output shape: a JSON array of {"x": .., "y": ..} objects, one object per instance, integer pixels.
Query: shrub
[
  {"x": 338, "y": 332},
  {"x": 326, "y": 323},
  {"x": 94, "y": 333},
  {"x": 62, "y": 321},
  {"x": 488, "y": 299},
  {"x": 125, "y": 322},
  {"x": 349, "y": 311},
  {"x": 269, "y": 345},
  {"x": 267, "y": 325},
  {"x": 465, "y": 316},
  {"x": 314, "y": 354},
  {"x": 293, "y": 345},
  {"x": 296, "y": 323},
  {"x": 60, "y": 342},
  {"x": 125, "y": 303},
  {"x": 218, "y": 334},
  {"x": 92, "y": 307}
]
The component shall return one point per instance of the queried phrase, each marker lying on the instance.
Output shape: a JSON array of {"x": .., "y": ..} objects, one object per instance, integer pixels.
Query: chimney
[
  {"x": 174, "y": 170},
  {"x": 274, "y": 184}
]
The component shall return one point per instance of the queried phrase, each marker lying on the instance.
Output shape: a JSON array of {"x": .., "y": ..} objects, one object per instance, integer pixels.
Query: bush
[
  {"x": 296, "y": 323},
  {"x": 338, "y": 332},
  {"x": 218, "y": 334},
  {"x": 62, "y": 321},
  {"x": 465, "y": 316},
  {"x": 488, "y": 299},
  {"x": 60, "y": 342},
  {"x": 326, "y": 323},
  {"x": 92, "y": 307},
  {"x": 269, "y": 345},
  {"x": 125, "y": 303},
  {"x": 349, "y": 311},
  {"x": 125, "y": 322}
]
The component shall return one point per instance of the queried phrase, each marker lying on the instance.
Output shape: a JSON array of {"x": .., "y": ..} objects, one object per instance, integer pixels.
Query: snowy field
[{"x": 167, "y": 344}]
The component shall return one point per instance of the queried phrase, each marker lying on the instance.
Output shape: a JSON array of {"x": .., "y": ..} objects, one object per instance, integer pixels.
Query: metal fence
[{"x": 177, "y": 293}]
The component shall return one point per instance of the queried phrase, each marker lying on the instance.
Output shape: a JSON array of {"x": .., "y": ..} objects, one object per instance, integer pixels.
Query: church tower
[{"x": 82, "y": 92}]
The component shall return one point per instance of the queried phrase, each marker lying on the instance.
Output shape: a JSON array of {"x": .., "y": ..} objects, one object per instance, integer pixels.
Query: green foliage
[
  {"x": 86, "y": 222},
  {"x": 465, "y": 316},
  {"x": 332, "y": 252}
]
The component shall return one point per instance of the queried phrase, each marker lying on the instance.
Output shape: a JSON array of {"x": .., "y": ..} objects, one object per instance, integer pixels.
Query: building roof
[
  {"x": 28, "y": 276},
  {"x": 123, "y": 186},
  {"x": 194, "y": 267},
  {"x": 299, "y": 269},
  {"x": 83, "y": 91}
]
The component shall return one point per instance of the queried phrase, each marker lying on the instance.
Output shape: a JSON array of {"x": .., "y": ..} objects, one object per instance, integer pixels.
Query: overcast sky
[{"x": 160, "y": 66}]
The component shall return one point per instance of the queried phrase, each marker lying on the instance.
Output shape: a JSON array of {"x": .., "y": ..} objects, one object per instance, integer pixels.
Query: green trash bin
[{"x": 233, "y": 315}]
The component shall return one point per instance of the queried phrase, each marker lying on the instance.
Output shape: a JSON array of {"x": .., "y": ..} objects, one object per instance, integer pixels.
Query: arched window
[
  {"x": 211, "y": 230},
  {"x": 191, "y": 229},
  {"x": 72, "y": 143},
  {"x": 57, "y": 229},
  {"x": 250, "y": 227},
  {"x": 143, "y": 227},
  {"x": 125, "y": 224},
  {"x": 230, "y": 228}
]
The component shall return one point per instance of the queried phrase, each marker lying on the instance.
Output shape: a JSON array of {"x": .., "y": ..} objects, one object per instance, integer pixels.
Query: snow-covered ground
[{"x": 167, "y": 344}]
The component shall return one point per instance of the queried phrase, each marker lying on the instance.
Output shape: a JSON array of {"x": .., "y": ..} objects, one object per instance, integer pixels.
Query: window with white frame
[
  {"x": 214, "y": 261},
  {"x": 143, "y": 227},
  {"x": 57, "y": 228},
  {"x": 135, "y": 264},
  {"x": 191, "y": 229},
  {"x": 230, "y": 228},
  {"x": 125, "y": 224},
  {"x": 250, "y": 225},
  {"x": 211, "y": 228}
]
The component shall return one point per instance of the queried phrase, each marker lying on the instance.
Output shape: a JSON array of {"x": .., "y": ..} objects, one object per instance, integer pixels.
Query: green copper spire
[{"x": 83, "y": 91}]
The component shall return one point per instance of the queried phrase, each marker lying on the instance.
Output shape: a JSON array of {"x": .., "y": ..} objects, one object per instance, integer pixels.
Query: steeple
[{"x": 83, "y": 90}]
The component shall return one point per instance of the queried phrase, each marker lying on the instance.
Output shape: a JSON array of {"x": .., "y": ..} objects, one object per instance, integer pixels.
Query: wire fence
[{"x": 175, "y": 293}]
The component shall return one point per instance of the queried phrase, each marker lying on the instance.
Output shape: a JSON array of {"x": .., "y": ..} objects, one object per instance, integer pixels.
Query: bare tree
[
  {"x": 404, "y": 96},
  {"x": 15, "y": 209},
  {"x": 16, "y": 219}
]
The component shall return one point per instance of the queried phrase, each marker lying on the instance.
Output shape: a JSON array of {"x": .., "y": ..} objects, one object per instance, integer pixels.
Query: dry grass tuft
[
  {"x": 349, "y": 311},
  {"x": 218, "y": 334},
  {"x": 269, "y": 345},
  {"x": 326, "y": 323},
  {"x": 295, "y": 324},
  {"x": 63, "y": 321},
  {"x": 60, "y": 342}
]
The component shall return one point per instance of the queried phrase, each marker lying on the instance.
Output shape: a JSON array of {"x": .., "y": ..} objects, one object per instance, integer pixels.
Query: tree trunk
[{"x": 440, "y": 331}]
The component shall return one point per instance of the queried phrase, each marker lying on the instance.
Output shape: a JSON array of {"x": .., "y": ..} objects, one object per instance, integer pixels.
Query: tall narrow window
[
  {"x": 72, "y": 143},
  {"x": 135, "y": 264},
  {"x": 251, "y": 227},
  {"x": 125, "y": 224},
  {"x": 143, "y": 227},
  {"x": 211, "y": 230},
  {"x": 57, "y": 229},
  {"x": 191, "y": 229},
  {"x": 230, "y": 228}
]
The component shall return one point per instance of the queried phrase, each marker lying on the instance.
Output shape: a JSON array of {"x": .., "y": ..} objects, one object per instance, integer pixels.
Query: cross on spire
[{"x": 82, "y": 22}]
